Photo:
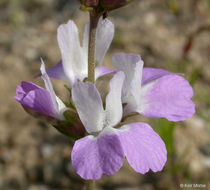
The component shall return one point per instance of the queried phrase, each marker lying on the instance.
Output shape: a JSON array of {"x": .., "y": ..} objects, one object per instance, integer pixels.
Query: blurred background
[{"x": 169, "y": 34}]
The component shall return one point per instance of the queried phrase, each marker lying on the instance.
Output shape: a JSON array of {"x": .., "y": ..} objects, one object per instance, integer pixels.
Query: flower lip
[
  {"x": 154, "y": 93},
  {"x": 138, "y": 142}
]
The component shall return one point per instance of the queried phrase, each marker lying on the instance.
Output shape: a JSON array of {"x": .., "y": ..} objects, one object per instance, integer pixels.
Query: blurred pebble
[
  {"x": 46, "y": 150},
  {"x": 206, "y": 162},
  {"x": 205, "y": 149},
  {"x": 38, "y": 187},
  {"x": 142, "y": 187}
]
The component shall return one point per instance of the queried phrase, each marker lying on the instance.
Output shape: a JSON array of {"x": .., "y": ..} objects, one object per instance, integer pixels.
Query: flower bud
[
  {"x": 112, "y": 4},
  {"x": 89, "y": 3},
  {"x": 104, "y": 4}
]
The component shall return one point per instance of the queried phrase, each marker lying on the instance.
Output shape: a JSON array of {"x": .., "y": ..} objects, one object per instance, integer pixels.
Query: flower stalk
[
  {"x": 89, "y": 185},
  {"x": 94, "y": 18}
]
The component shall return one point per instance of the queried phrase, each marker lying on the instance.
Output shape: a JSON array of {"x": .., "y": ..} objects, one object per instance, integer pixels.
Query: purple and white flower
[
  {"x": 153, "y": 92},
  {"x": 37, "y": 100},
  {"x": 74, "y": 64},
  {"x": 104, "y": 149}
]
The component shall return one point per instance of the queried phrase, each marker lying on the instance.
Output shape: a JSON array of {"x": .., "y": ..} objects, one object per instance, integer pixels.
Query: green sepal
[
  {"x": 85, "y": 8},
  {"x": 68, "y": 127}
]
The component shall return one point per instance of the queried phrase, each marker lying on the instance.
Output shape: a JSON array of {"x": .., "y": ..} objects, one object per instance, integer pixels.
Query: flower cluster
[{"x": 154, "y": 93}]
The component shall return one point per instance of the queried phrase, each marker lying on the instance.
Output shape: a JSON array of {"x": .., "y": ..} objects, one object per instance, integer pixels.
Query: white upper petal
[
  {"x": 89, "y": 106},
  {"x": 132, "y": 66},
  {"x": 104, "y": 36},
  {"x": 113, "y": 100},
  {"x": 48, "y": 85},
  {"x": 85, "y": 41},
  {"x": 57, "y": 103},
  {"x": 73, "y": 59}
]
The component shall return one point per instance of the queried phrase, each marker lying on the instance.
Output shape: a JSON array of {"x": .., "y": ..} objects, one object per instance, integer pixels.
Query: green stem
[
  {"x": 129, "y": 115},
  {"x": 94, "y": 18},
  {"x": 89, "y": 185}
]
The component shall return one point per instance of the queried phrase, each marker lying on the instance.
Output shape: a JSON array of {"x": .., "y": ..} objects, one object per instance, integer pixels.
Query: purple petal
[
  {"x": 169, "y": 97},
  {"x": 89, "y": 106},
  {"x": 101, "y": 70},
  {"x": 143, "y": 147},
  {"x": 94, "y": 156},
  {"x": 24, "y": 88},
  {"x": 57, "y": 72},
  {"x": 151, "y": 74},
  {"x": 38, "y": 100}
]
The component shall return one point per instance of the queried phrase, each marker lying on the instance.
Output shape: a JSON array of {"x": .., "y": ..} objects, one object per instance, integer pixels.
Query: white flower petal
[
  {"x": 132, "y": 66},
  {"x": 48, "y": 85},
  {"x": 104, "y": 36},
  {"x": 113, "y": 100},
  {"x": 57, "y": 103},
  {"x": 89, "y": 106},
  {"x": 73, "y": 59}
]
